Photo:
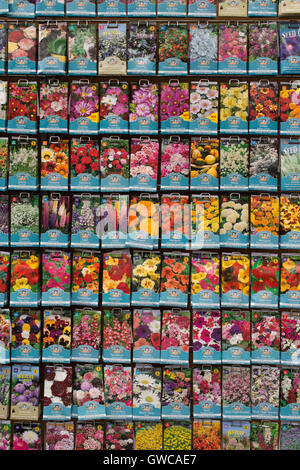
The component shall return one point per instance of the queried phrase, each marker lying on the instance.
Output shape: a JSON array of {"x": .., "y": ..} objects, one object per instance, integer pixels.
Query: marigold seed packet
[
  {"x": 236, "y": 435},
  {"x": 145, "y": 278},
  {"x": 86, "y": 213},
  {"x": 147, "y": 388},
  {"x": 263, "y": 107},
  {"x": 289, "y": 108},
  {"x": 54, "y": 164},
  {"x": 175, "y": 221},
  {"x": 173, "y": 49},
  {"x": 27, "y": 436},
  {"x": 23, "y": 163},
  {"x": 56, "y": 335},
  {"x": 22, "y": 107},
  {"x": 25, "y": 279},
  {"x": 264, "y": 221},
  {"x": 290, "y": 338},
  {"x": 203, "y": 43},
  {"x": 143, "y": 221},
  {"x": 84, "y": 107},
  {"x": 88, "y": 391},
  {"x": 5, "y": 336},
  {"x": 207, "y": 391},
  {"x": 142, "y": 49},
  {"x": 86, "y": 335},
  {"x": 117, "y": 335},
  {"x": 114, "y": 107},
  {"x": 146, "y": 335},
  {"x": 84, "y": 164},
  {"x": 57, "y": 402},
  {"x": 175, "y": 336},
  {"x": 205, "y": 280},
  {"x": 290, "y": 280},
  {"x": 263, "y": 43},
  {"x": 234, "y": 221},
  {"x": 25, "y": 335},
  {"x": 177, "y": 435},
  {"x": 206, "y": 337},
  {"x": 113, "y": 224},
  {"x": 148, "y": 435},
  {"x": 175, "y": 163},
  {"x": 234, "y": 162},
  {"x": 236, "y": 391},
  {"x": 205, "y": 221},
  {"x": 114, "y": 164},
  {"x": 264, "y": 280},
  {"x": 207, "y": 434},
  {"x": 144, "y": 153},
  {"x": 55, "y": 220},
  {"x": 264, "y": 163},
  {"x": 52, "y": 48},
  {"x": 204, "y": 167},
  {"x": 143, "y": 108},
  {"x": 265, "y": 337},
  {"x": 56, "y": 278},
  {"x": 290, "y": 164},
  {"x": 289, "y": 221},
  {"x": 176, "y": 393},
  {"x": 265, "y": 391},
  {"x": 116, "y": 280},
  {"x": 25, "y": 392},
  {"x": 118, "y": 392},
  {"x": 85, "y": 278},
  {"x": 174, "y": 107},
  {"x": 175, "y": 274}
]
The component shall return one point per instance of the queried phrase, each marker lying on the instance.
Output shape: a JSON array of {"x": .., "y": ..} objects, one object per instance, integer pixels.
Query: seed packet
[
  {"x": 289, "y": 436},
  {"x": 113, "y": 225},
  {"x": 289, "y": 108},
  {"x": 57, "y": 392},
  {"x": 236, "y": 338},
  {"x": 232, "y": 55},
  {"x": 56, "y": 289},
  {"x": 263, "y": 107},
  {"x": 85, "y": 220},
  {"x": 175, "y": 336},
  {"x": 234, "y": 221},
  {"x": 119, "y": 435},
  {"x": 24, "y": 220},
  {"x": 26, "y": 335},
  {"x": 290, "y": 280},
  {"x": 173, "y": 49},
  {"x": 114, "y": 107},
  {"x": 25, "y": 392},
  {"x": 175, "y": 221},
  {"x": 52, "y": 48},
  {"x": 116, "y": 285},
  {"x": 171, "y": 8},
  {"x": 264, "y": 280},
  {"x": 143, "y": 108},
  {"x": 264, "y": 162},
  {"x": 3, "y": 163},
  {"x": 176, "y": 393},
  {"x": 5, "y": 337},
  {"x": 143, "y": 221},
  {"x": 231, "y": 8},
  {"x": 205, "y": 280},
  {"x": 202, "y": 9},
  {"x": 145, "y": 278},
  {"x": 290, "y": 164},
  {"x": 84, "y": 107},
  {"x": 89, "y": 436},
  {"x": 234, "y": 157},
  {"x": 144, "y": 154},
  {"x": 203, "y": 45},
  {"x": 236, "y": 392},
  {"x": 85, "y": 164},
  {"x": 82, "y": 49},
  {"x": 5, "y": 435},
  {"x": 116, "y": 335},
  {"x": 141, "y": 51},
  {"x": 289, "y": 48},
  {"x": 205, "y": 221},
  {"x": 4, "y": 218},
  {"x": 148, "y": 435},
  {"x": 263, "y": 46},
  {"x": 53, "y": 106},
  {"x": 57, "y": 335},
  {"x": 286, "y": 8},
  {"x": 234, "y": 107},
  {"x": 23, "y": 162},
  {"x": 115, "y": 8},
  {"x": 5, "y": 373},
  {"x": 206, "y": 434},
  {"x": 50, "y": 8},
  {"x": 59, "y": 436},
  {"x": 112, "y": 49},
  {"x": 177, "y": 435},
  {"x": 25, "y": 279},
  {"x": 88, "y": 391},
  {"x": 114, "y": 164},
  {"x": 3, "y": 41},
  {"x": 86, "y": 335},
  {"x": 204, "y": 163},
  {"x": 265, "y": 392},
  {"x": 264, "y": 221},
  {"x": 146, "y": 335},
  {"x": 175, "y": 163},
  {"x": 174, "y": 279},
  {"x": 265, "y": 337},
  {"x": 144, "y": 8},
  {"x": 4, "y": 270},
  {"x": 204, "y": 107},
  {"x": 290, "y": 338},
  {"x": 27, "y": 436},
  {"x": 290, "y": 386},
  {"x": 22, "y": 48},
  {"x": 3, "y": 103},
  {"x": 54, "y": 164},
  {"x": 24, "y": 9},
  {"x": 206, "y": 336},
  {"x": 147, "y": 389},
  {"x": 266, "y": 8},
  {"x": 118, "y": 391},
  {"x": 22, "y": 107},
  {"x": 55, "y": 220},
  {"x": 81, "y": 8},
  {"x": 235, "y": 435},
  {"x": 264, "y": 435},
  {"x": 174, "y": 107},
  {"x": 85, "y": 278},
  {"x": 207, "y": 392}
]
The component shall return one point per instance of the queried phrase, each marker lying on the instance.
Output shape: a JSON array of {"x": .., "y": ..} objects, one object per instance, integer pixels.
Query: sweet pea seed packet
[
  {"x": 206, "y": 336},
  {"x": 148, "y": 435},
  {"x": 173, "y": 49},
  {"x": 143, "y": 108},
  {"x": 56, "y": 335},
  {"x": 4, "y": 221},
  {"x": 144, "y": 8},
  {"x": 265, "y": 337},
  {"x": 24, "y": 220},
  {"x": 177, "y": 435},
  {"x": 114, "y": 107},
  {"x": 266, "y": 8},
  {"x": 263, "y": 47},
  {"x": 147, "y": 388},
  {"x": 82, "y": 49},
  {"x": 84, "y": 107},
  {"x": 26, "y": 335},
  {"x": 264, "y": 280},
  {"x": 54, "y": 164},
  {"x": 232, "y": 50},
  {"x": 118, "y": 392},
  {"x": 3, "y": 105},
  {"x": 174, "y": 107},
  {"x": 56, "y": 278},
  {"x": 176, "y": 393},
  {"x": 53, "y": 106},
  {"x": 112, "y": 8},
  {"x": 52, "y": 48},
  {"x": 141, "y": 52},
  {"x": 22, "y": 107},
  {"x": 24, "y": 9},
  {"x": 88, "y": 391},
  {"x": 289, "y": 108},
  {"x": 236, "y": 392},
  {"x": 55, "y": 220},
  {"x": 236, "y": 338},
  {"x": 81, "y": 8},
  {"x": 232, "y": 8},
  {"x": 289, "y": 49},
  {"x": 205, "y": 280},
  {"x": 4, "y": 274},
  {"x": 207, "y": 391},
  {"x": 204, "y": 166},
  {"x": 85, "y": 221},
  {"x": 265, "y": 392},
  {"x": 85, "y": 278},
  {"x": 235, "y": 280},
  {"x": 202, "y": 8},
  {"x": 22, "y": 48},
  {"x": 116, "y": 280},
  {"x": 175, "y": 163},
  {"x": 113, "y": 225},
  {"x": 175, "y": 336},
  {"x": 5, "y": 332},
  {"x": 23, "y": 163},
  {"x": 290, "y": 164},
  {"x": 146, "y": 335},
  {"x": 143, "y": 221},
  {"x": 290, "y": 337},
  {"x": 144, "y": 155},
  {"x": 264, "y": 435},
  {"x": 175, "y": 274},
  {"x": 289, "y": 280},
  {"x": 175, "y": 221},
  {"x": 234, "y": 104},
  {"x": 145, "y": 278},
  {"x": 84, "y": 164},
  {"x": 263, "y": 107},
  {"x": 117, "y": 335},
  {"x": 204, "y": 107},
  {"x": 114, "y": 164},
  {"x": 263, "y": 164},
  {"x": 27, "y": 436},
  {"x": 205, "y": 221},
  {"x": 264, "y": 221},
  {"x": 234, "y": 221},
  {"x": 5, "y": 373},
  {"x": 50, "y": 8},
  {"x": 290, "y": 385},
  {"x": 112, "y": 48},
  {"x": 175, "y": 8},
  {"x": 25, "y": 279},
  {"x": 289, "y": 221},
  {"x": 25, "y": 392},
  {"x": 86, "y": 335},
  {"x": 57, "y": 402}
]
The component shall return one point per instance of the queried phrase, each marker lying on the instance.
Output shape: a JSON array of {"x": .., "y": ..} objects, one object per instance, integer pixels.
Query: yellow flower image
[
  {"x": 139, "y": 271},
  {"x": 21, "y": 283},
  {"x": 147, "y": 283}
]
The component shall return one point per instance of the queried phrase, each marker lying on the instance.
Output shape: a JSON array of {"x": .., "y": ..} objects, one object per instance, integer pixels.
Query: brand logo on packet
[
  {"x": 263, "y": 62},
  {"x": 146, "y": 350},
  {"x": 115, "y": 293},
  {"x": 205, "y": 295},
  {"x": 90, "y": 406},
  {"x": 113, "y": 120},
  {"x": 24, "y": 234},
  {"x": 25, "y": 349},
  {"x": 147, "y": 408},
  {"x": 174, "y": 121},
  {"x": 206, "y": 405},
  {"x": 117, "y": 406},
  {"x": 176, "y": 406},
  {"x": 84, "y": 349},
  {"x": 23, "y": 292},
  {"x": 84, "y": 293},
  {"x": 20, "y": 121}
]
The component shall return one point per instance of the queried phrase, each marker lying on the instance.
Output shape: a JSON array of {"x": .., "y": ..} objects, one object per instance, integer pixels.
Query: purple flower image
[{"x": 84, "y": 101}]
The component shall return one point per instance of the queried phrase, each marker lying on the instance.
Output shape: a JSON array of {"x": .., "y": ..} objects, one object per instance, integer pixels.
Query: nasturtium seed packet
[
  {"x": 84, "y": 164},
  {"x": 22, "y": 48},
  {"x": 174, "y": 107},
  {"x": 53, "y": 106},
  {"x": 203, "y": 47},
  {"x": 147, "y": 388},
  {"x": 55, "y": 220},
  {"x": 289, "y": 51},
  {"x": 202, "y": 8},
  {"x": 204, "y": 165},
  {"x": 175, "y": 336},
  {"x": 234, "y": 221},
  {"x": 234, "y": 103},
  {"x": 175, "y": 274},
  {"x": 263, "y": 47},
  {"x": 236, "y": 337},
  {"x": 236, "y": 392},
  {"x": 85, "y": 221},
  {"x": 143, "y": 108},
  {"x": 5, "y": 329},
  {"x": 266, "y": 8},
  {"x": 143, "y": 221},
  {"x": 145, "y": 281},
  {"x": 25, "y": 279},
  {"x": 265, "y": 337},
  {"x": 112, "y": 8},
  {"x": 25, "y": 397},
  {"x": 235, "y": 280},
  {"x": 289, "y": 108},
  {"x": 264, "y": 221},
  {"x": 52, "y": 48},
  {"x": 173, "y": 49},
  {"x": 264, "y": 280},
  {"x": 142, "y": 49},
  {"x": 112, "y": 48},
  {"x": 23, "y": 163},
  {"x": 206, "y": 337},
  {"x": 117, "y": 336},
  {"x": 290, "y": 281},
  {"x": 175, "y": 221},
  {"x": 290, "y": 337},
  {"x": 232, "y": 50},
  {"x": 50, "y": 8},
  {"x": 290, "y": 164},
  {"x": 263, "y": 107},
  {"x": 205, "y": 215},
  {"x": 289, "y": 221},
  {"x": 205, "y": 280},
  {"x": 204, "y": 102},
  {"x": 263, "y": 164},
  {"x": 24, "y": 220},
  {"x": 175, "y": 8},
  {"x": 175, "y": 163},
  {"x": 116, "y": 279},
  {"x": 114, "y": 164},
  {"x": 81, "y": 8},
  {"x": 233, "y": 8},
  {"x": 176, "y": 393},
  {"x": 86, "y": 335},
  {"x": 88, "y": 393},
  {"x": 146, "y": 335},
  {"x": 82, "y": 49},
  {"x": 113, "y": 223},
  {"x": 56, "y": 335},
  {"x": 144, "y": 8},
  {"x": 85, "y": 278}
]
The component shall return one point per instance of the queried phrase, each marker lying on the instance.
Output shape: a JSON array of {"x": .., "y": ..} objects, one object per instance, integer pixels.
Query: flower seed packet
[
  {"x": 265, "y": 337},
  {"x": 144, "y": 8},
  {"x": 24, "y": 9},
  {"x": 118, "y": 392},
  {"x": 232, "y": 8},
  {"x": 25, "y": 392},
  {"x": 52, "y": 56},
  {"x": 177, "y": 435},
  {"x": 114, "y": 164},
  {"x": 264, "y": 163},
  {"x": 289, "y": 40},
  {"x": 81, "y": 8},
  {"x": 204, "y": 166},
  {"x": 290, "y": 164},
  {"x": 56, "y": 335},
  {"x": 4, "y": 273},
  {"x": 145, "y": 278},
  {"x": 175, "y": 225},
  {"x": 234, "y": 161},
  {"x": 57, "y": 400},
  {"x": 175, "y": 8},
  {"x": 114, "y": 8},
  {"x": 26, "y": 335},
  {"x": 234, "y": 221},
  {"x": 86, "y": 335},
  {"x": 232, "y": 51},
  {"x": 3, "y": 104},
  {"x": 235, "y": 280},
  {"x": 53, "y": 106},
  {"x": 82, "y": 49},
  {"x": 114, "y": 107},
  {"x": 113, "y": 225},
  {"x": 174, "y": 107},
  {"x": 23, "y": 163},
  {"x": 289, "y": 108},
  {"x": 289, "y": 221},
  {"x": 266, "y": 8},
  {"x": 143, "y": 221},
  {"x": 206, "y": 337},
  {"x": 289, "y": 281},
  {"x": 56, "y": 277},
  {"x": 175, "y": 336},
  {"x": 54, "y": 164},
  {"x": 85, "y": 278},
  {"x": 117, "y": 335},
  {"x": 204, "y": 107},
  {"x": 5, "y": 373},
  {"x": 176, "y": 393},
  {"x": 263, "y": 107},
  {"x": 147, "y": 388},
  {"x": 59, "y": 435},
  {"x": 5, "y": 335},
  {"x": 148, "y": 435},
  {"x": 84, "y": 107},
  {"x": 236, "y": 337},
  {"x": 55, "y": 220},
  {"x": 289, "y": 406},
  {"x": 144, "y": 155},
  {"x": 207, "y": 391},
  {"x": 288, "y": 8},
  {"x": 205, "y": 214},
  {"x": 263, "y": 46},
  {"x": 290, "y": 352},
  {"x": 234, "y": 103},
  {"x": 143, "y": 108},
  {"x": 22, "y": 48},
  {"x": 236, "y": 435},
  {"x": 202, "y": 8},
  {"x": 141, "y": 52},
  {"x": 203, "y": 46},
  {"x": 265, "y": 392},
  {"x": 119, "y": 435},
  {"x": 3, "y": 46},
  {"x": 175, "y": 275},
  {"x": 24, "y": 220},
  {"x": 173, "y": 49},
  {"x": 88, "y": 391},
  {"x": 27, "y": 436},
  {"x": 205, "y": 280},
  {"x": 4, "y": 218},
  {"x": 25, "y": 279},
  {"x": 146, "y": 335},
  {"x": 22, "y": 107},
  {"x": 112, "y": 48},
  {"x": 264, "y": 280},
  {"x": 116, "y": 280},
  {"x": 207, "y": 434},
  {"x": 85, "y": 221},
  {"x": 50, "y": 8},
  {"x": 85, "y": 164},
  {"x": 236, "y": 391},
  {"x": 264, "y": 221},
  {"x": 175, "y": 163},
  {"x": 289, "y": 436},
  {"x": 264, "y": 435}
]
